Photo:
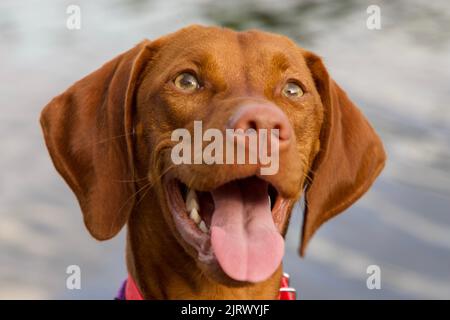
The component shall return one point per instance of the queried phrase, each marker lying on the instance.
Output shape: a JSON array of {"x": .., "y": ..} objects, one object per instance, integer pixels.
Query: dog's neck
[{"x": 162, "y": 269}]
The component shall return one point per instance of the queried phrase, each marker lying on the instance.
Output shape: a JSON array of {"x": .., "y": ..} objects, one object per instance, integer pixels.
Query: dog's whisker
[
  {"x": 149, "y": 186},
  {"x": 130, "y": 180},
  {"x": 308, "y": 178},
  {"x": 133, "y": 196},
  {"x": 113, "y": 138}
]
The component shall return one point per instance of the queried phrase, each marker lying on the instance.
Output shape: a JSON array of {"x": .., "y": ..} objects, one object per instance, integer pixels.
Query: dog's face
[
  {"x": 219, "y": 77},
  {"x": 229, "y": 217}
]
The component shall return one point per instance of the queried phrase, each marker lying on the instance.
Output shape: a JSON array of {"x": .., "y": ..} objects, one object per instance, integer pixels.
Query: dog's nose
[{"x": 262, "y": 116}]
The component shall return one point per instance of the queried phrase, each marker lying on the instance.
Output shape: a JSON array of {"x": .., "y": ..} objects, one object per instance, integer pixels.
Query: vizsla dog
[{"x": 209, "y": 231}]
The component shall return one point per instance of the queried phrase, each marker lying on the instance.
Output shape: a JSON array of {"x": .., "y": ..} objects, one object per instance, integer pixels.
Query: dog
[{"x": 209, "y": 231}]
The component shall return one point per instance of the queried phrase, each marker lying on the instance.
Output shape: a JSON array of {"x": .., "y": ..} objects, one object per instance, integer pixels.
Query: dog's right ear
[{"x": 88, "y": 131}]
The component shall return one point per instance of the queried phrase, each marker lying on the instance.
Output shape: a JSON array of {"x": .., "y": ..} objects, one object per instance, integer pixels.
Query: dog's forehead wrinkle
[
  {"x": 220, "y": 55},
  {"x": 268, "y": 58},
  {"x": 244, "y": 61}
]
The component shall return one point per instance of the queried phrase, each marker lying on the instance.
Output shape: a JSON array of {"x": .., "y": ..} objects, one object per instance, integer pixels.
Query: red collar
[{"x": 286, "y": 293}]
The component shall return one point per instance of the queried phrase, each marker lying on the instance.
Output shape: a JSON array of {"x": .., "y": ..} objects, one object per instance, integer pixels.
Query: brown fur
[{"x": 109, "y": 137}]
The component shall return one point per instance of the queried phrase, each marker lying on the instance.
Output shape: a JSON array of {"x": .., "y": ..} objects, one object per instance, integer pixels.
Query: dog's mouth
[{"x": 237, "y": 225}]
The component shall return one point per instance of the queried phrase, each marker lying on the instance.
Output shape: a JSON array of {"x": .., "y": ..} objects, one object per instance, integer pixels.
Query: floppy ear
[
  {"x": 88, "y": 131},
  {"x": 350, "y": 158}
]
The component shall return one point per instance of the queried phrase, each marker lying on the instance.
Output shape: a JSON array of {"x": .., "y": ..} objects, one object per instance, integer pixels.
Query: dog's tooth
[
  {"x": 203, "y": 227},
  {"x": 195, "y": 216},
  {"x": 270, "y": 203},
  {"x": 192, "y": 201}
]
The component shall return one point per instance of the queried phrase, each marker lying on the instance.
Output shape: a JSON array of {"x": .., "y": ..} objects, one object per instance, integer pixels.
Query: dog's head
[{"x": 113, "y": 136}]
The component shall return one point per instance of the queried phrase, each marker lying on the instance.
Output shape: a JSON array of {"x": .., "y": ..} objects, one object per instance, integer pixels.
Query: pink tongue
[{"x": 244, "y": 238}]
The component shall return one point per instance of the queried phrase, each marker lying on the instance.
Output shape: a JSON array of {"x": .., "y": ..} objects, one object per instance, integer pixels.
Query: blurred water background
[{"x": 399, "y": 76}]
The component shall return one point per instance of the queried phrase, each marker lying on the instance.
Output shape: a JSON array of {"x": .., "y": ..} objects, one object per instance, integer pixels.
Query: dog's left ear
[
  {"x": 88, "y": 131},
  {"x": 351, "y": 155}
]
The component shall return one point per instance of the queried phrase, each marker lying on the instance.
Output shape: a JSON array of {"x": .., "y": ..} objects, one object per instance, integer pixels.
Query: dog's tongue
[{"x": 244, "y": 237}]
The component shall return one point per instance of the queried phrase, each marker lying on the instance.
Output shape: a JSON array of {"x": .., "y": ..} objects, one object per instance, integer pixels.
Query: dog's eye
[
  {"x": 187, "y": 82},
  {"x": 292, "y": 90}
]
